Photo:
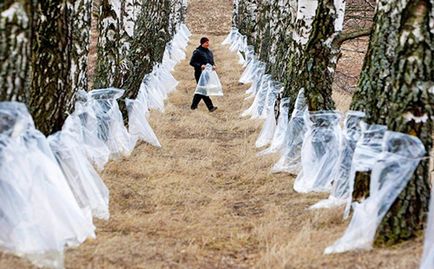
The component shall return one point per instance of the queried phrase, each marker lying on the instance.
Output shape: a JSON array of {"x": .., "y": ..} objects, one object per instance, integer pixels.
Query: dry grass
[{"x": 206, "y": 201}]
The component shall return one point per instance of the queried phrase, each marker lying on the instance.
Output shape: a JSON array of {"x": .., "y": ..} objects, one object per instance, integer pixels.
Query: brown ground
[{"x": 205, "y": 200}]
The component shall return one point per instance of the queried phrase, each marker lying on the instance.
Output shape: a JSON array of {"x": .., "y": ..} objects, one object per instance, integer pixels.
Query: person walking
[{"x": 202, "y": 56}]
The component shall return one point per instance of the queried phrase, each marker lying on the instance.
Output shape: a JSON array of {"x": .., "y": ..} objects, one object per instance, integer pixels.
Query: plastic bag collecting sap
[
  {"x": 319, "y": 152},
  {"x": 290, "y": 160},
  {"x": 279, "y": 134},
  {"x": 342, "y": 171},
  {"x": 84, "y": 124},
  {"x": 138, "y": 125},
  {"x": 367, "y": 150},
  {"x": 39, "y": 212},
  {"x": 111, "y": 124},
  {"x": 88, "y": 188},
  {"x": 391, "y": 171},
  {"x": 209, "y": 83}
]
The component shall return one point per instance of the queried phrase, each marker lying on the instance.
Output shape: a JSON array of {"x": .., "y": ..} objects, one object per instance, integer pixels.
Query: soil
[{"x": 205, "y": 200}]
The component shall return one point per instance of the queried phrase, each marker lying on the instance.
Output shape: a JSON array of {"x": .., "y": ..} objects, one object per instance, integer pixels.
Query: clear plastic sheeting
[
  {"x": 267, "y": 132},
  {"x": 150, "y": 91},
  {"x": 249, "y": 72},
  {"x": 367, "y": 150},
  {"x": 184, "y": 30},
  {"x": 392, "y": 170},
  {"x": 320, "y": 152},
  {"x": 88, "y": 188},
  {"x": 265, "y": 98},
  {"x": 280, "y": 132},
  {"x": 138, "y": 125},
  {"x": 259, "y": 103},
  {"x": 239, "y": 43},
  {"x": 290, "y": 160},
  {"x": 209, "y": 83},
  {"x": 84, "y": 124},
  {"x": 232, "y": 36},
  {"x": 258, "y": 74},
  {"x": 342, "y": 171},
  {"x": 49, "y": 188},
  {"x": 111, "y": 128},
  {"x": 39, "y": 214},
  {"x": 428, "y": 247}
]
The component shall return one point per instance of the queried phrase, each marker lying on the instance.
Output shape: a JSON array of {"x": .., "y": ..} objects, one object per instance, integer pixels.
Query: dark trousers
[{"x": 198, "y": 97}]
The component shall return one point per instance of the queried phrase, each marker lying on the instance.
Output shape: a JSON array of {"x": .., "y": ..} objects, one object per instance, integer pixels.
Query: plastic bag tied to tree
[
  {"x": 367, "y": 150},
  {"x": 138, "y": 125},
  {"x": 85, "y": 127},
  {"x": 39, "y": 213},
  {"x": 89, "y": 190},
  {"x": 342, "y": 171},
  {"x": 320, "y": 152},
  {"x": 278, "y": 139},
  {"x": 111, "y": 128},
  {"x": 392, "y": 170},
  {"x": 290, "y": 160}
]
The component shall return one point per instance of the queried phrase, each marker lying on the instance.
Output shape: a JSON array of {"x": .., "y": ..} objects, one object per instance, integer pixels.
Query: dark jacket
[{"x": 201, "y": 56}]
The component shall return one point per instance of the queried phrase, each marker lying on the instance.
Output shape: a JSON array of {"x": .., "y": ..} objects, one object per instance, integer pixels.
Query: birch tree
[
  {"x": 60, "y": 40},
  {"x": 395, "y": 89},
  {"x": 15, "y": 21}
]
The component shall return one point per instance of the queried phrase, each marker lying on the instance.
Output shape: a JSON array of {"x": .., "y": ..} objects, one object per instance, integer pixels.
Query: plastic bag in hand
[
  {"x": 392, "y": 170},
  {"x": 209, "y": 83}
]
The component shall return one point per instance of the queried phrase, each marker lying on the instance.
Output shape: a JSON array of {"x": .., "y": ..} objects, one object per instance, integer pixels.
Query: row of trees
[
  {"x": 300, "y": 41},
  {"x": 44, "y": 49}
]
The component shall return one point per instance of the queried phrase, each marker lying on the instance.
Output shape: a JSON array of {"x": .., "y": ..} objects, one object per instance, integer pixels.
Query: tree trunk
[
  {"x": 80, "y": 22},
  {"x": 51, "y": 89},
  {"x": 107, "y": 73},
  {"x": 395, "y": 89},
  {"x": 14, "y": 50},
  {"x": 147, "y": 48},
  {"x": 312, "y": 68},
  {"x": 247, "y": 19},
  {"x": 60, "y": 36},
  {"x": 133, "y": 36}
]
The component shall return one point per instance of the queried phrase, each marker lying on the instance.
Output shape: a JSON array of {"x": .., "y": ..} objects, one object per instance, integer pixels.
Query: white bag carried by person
[{"x": 209, "y": 83}]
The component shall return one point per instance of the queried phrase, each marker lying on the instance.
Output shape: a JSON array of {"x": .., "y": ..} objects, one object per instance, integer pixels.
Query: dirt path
[{"x": 205, "y": 200}]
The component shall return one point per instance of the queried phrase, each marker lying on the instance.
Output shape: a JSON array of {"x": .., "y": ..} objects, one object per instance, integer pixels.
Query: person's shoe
[
  {"x": 193, "y": 108},
  {"x": 213, "y": 109}
]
